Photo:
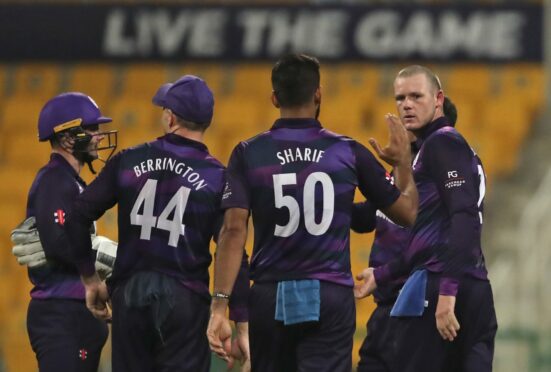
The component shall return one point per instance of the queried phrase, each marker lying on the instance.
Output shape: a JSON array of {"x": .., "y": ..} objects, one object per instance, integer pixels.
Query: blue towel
[
  {"x": 298, "y": 301},
  {"x": 411, "y": 300}
]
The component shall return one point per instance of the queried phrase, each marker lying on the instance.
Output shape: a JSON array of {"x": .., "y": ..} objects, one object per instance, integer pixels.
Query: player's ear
[
  {"x": 275, "y": 102},
  {"x": 317, "y": 96},
  {"x": 440, "y": 99}
]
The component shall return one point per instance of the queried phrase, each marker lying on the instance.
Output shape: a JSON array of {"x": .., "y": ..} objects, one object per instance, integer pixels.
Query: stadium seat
[
  {"x": 136, "y": 120},
  {"x": 141, "y": 81},
  {"x": 21, "y": 115},
  {"x": 526, "y": 82},
  {"x": 37, "y": 81},
  {"x": 357, "y": 80},
  {"x": 95, "y": 80},
  {"x": 24, "y": 148},
  {"x": 477, "y": 82},
  {"x": 250, "y": 81}
]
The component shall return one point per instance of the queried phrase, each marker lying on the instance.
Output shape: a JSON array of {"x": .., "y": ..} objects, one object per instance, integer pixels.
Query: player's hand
[
  {"x": 367, "y": 285},
  {"x": 398, "y": 150},
  {"x": 446, "y": 322},
  {"x": 97, "y": 297},
  {"x": 219, "y": 332},
  {"x": 240, "y": 348}
]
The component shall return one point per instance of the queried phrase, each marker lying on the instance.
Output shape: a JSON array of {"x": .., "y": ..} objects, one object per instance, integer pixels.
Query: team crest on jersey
[
  {"x": 59, "y": 217},
  {"x": 389, "y": 178},
  {"x": 83, "y": 354}
]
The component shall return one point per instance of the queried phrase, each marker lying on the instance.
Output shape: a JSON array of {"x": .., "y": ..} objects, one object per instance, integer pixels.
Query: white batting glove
[
  {"x": 28, "y": 249},
  {"x": 105, "y": 255}
]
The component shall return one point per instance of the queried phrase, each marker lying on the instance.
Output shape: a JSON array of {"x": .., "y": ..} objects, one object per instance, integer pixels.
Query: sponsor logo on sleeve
[
  {"x": 83, "y": 354},
  {"x": 59, "y": 217},
  {"x": 227, "y": 191},
  {"x": 454, "y": 180},
  {"x": 389, "y": 178}
]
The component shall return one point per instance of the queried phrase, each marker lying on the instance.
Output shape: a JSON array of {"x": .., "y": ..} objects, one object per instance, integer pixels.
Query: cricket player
[
  {"x": 168, "y": 193},
  {"x": 63, "y": 334},
  {"x": 297, "y": 180},
  {"x": 446, "y": 320},
  {"x": 389, "y": 243}
]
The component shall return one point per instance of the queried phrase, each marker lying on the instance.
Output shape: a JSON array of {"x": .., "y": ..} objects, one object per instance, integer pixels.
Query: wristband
[{"x": 221, "y": 295}]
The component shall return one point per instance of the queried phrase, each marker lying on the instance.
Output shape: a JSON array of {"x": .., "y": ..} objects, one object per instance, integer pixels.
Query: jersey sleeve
[
  {"x": 53, "y": 201},
  {"x": 90, "y": 205},
  {"x": 450, "y": 162},
  {"x": 363, "y": 217},
  {"x": 237, "y": 191},
  {"x": 375, "y": 183}
]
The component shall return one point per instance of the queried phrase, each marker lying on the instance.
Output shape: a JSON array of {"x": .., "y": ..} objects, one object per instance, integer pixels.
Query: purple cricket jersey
[
  {"x": 299, "y": 179},
  {"x": 168, "y": 193},
  {"x": 52, "y": 193},
  {"x": 446, "y": 237}
]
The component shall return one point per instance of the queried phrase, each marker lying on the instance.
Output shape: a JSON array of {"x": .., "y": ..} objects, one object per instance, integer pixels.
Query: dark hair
[
  {"x": 295, "y": 79},
  {"x": 450, "y": 110}
]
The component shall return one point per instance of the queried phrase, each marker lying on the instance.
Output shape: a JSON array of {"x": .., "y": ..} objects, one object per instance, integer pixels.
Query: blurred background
[{"x": 491, "y": 56}]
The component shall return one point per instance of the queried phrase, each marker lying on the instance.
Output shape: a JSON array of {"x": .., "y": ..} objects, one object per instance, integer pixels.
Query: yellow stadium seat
[
  {"x": 95, "y": 80},
  {"x": 250, "y": 81},
  {"x": 24, "y": 148},
  {"x": 343, "y": 114},
  {"x": 506, "y": 125},
  {"x": 472, "y": 81},
  {"x": 21, "y": 115},
  {"x": 141, "y": 81},
  {"x": 37, "y": 81},
  {"x": 136, "y": 120},
  {"x": 17, "y": 180},
  {"x": 526, "y": 82},
  {"x": 358, "y": 80}
]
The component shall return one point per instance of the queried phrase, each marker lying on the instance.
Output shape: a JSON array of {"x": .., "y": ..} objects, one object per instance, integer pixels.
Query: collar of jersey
[
  {"x": 59, "y": 161},
  {"x": 179, "y": 140},
  {"x": 429, "y": 129},
  {"x": 296, "y": 123}
]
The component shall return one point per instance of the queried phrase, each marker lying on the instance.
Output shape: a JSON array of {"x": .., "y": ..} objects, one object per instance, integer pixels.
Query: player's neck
[
  {"x": 190, "y": 134},
  {"x": 303, "y": 112},
  {"x": 73, "y": 162}
]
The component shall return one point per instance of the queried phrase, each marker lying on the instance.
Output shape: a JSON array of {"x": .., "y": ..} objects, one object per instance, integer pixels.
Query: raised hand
[{"x": 397, "y": 151}]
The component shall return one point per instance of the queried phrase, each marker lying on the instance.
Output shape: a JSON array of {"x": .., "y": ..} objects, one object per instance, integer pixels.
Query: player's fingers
[
  {"x": 230, "y": 363},
  {"x": 455, "y": 323},
  {"x": 360, "y": 291},
  {"x": 452, "y": 332},
  {"x": 360, "y": 276},
  {"x": 375, "y": 145}
]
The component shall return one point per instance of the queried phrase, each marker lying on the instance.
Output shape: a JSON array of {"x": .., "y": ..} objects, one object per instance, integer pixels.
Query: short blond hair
[{"x": 418, "y": 69}]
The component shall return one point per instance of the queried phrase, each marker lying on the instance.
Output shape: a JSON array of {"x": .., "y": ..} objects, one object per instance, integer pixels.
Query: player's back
[
  {"x": 169, "y": 206},
  {"x": 301, "y": 181}
]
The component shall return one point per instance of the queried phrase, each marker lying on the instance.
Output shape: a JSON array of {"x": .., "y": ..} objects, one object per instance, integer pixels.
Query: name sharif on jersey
[
  {"x": 179, "y": 168},
  {"x": 299, "y": 154}
]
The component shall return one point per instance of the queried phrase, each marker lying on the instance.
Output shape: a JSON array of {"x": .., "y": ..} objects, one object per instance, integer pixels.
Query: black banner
[{"x": 345, "y": 33}]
